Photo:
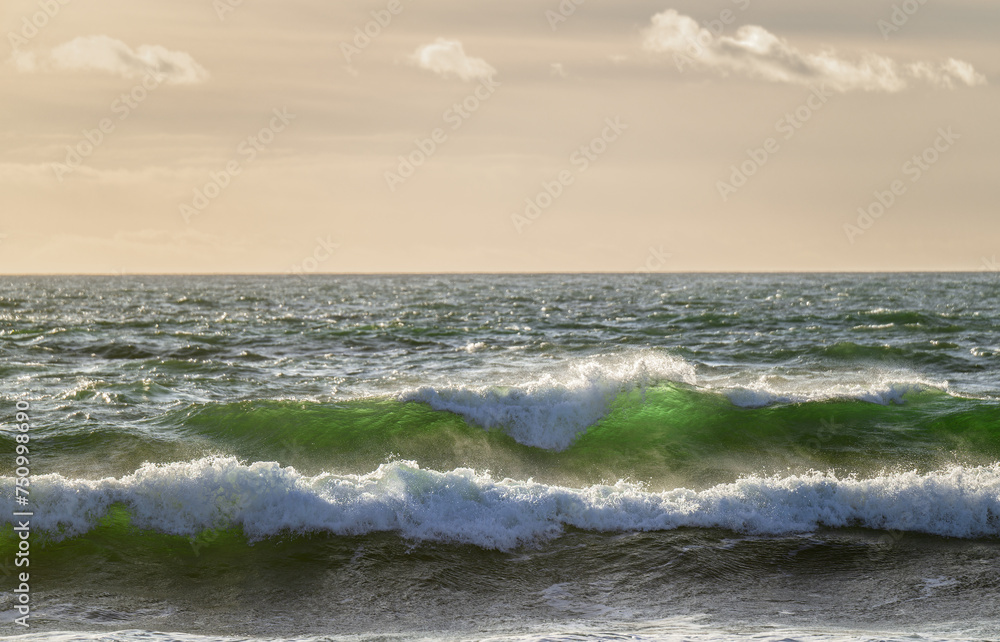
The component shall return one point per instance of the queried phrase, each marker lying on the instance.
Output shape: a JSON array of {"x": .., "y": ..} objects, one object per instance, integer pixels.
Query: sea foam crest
[
  {"x": 462, "y": 506},
  {"x": 883, "y": 388},
  {"x": 552, "y": 411}
]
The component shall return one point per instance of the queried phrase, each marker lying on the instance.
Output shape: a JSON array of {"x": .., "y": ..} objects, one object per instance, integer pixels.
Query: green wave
[{"x": 666, "y": 434}]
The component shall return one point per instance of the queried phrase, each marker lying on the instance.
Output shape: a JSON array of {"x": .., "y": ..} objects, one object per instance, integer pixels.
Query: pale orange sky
[{"x": 687, "y": 87}]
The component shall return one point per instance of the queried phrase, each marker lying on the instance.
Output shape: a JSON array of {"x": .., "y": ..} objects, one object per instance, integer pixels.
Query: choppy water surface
[{"x": 513, "y": 457}]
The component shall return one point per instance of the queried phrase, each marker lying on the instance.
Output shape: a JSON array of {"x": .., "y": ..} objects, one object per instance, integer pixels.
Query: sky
[{"x": 386, "y": 136}]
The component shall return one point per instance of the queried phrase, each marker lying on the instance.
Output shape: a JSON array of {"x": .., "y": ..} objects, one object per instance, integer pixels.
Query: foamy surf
[
  {"x": 464, "y": 506},
  {"x": 877, "y": 387},
  {"x": 553, "y": 410}
]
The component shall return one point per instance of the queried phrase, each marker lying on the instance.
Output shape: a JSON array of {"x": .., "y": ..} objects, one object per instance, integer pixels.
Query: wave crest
[
  {"x": 464, "y": 506},
  {"x": 551, "y": 412},
  {"x": 878, "y": 388}
]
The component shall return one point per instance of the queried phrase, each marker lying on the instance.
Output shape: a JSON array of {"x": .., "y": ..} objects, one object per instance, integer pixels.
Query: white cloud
[
  {"x": 22, "y": 173},
  {"x": 448, "y": 58},
  {"x": 102, "y": 53},
  {"x": 757, "y": 53}
]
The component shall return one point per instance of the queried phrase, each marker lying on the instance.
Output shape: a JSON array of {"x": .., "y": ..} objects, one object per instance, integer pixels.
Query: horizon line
[{"x": 486, "y": 273}]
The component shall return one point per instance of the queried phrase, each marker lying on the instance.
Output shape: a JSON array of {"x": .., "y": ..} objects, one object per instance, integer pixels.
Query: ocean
[{"x": 501, "y": 457}]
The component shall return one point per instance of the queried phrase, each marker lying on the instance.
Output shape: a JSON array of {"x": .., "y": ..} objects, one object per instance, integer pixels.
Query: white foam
[
  {"x": 552, "y": 411},
  {"x": 463, "y": 506},
  {"x": 883, "y": 388}
]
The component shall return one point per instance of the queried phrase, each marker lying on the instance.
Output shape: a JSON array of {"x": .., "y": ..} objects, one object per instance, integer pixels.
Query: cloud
[
  {"x": 102, "y": 53},
  {"x": 46, "y": 173},
  {"x": 447, "y": 58},
  {"x": 757, "y": 53}
]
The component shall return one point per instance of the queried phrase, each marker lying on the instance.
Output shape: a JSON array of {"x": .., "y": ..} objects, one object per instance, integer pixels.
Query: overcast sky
[{"x": 201, "y": 136}]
